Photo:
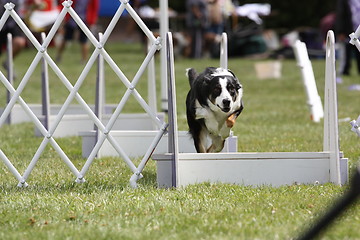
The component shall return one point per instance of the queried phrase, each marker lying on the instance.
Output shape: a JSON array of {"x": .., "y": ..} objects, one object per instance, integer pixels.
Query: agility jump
[{"x": 259, "y": 168}]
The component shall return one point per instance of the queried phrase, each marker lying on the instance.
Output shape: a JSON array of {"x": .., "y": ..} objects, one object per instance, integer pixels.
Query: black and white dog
[{"x": 212, "y": 106}]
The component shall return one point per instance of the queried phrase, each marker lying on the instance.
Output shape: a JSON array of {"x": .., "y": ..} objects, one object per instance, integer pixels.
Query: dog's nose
[{"x": 226, "y": 102}]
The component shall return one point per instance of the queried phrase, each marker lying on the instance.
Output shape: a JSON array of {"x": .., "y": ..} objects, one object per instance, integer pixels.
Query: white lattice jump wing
[{"x": 104, "y": 129}]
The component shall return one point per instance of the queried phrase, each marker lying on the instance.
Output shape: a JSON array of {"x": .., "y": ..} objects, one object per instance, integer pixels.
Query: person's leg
[
  {"x": 68, "y": 35},
  {"x": 84, "y": 46},
  {"x": 84, "y": 52},
  {"x": 198, "y": 43},
  {"x": 19, "y": 43},
  {"x": 348, "y": 53},
  {"x": 357, "y": 57},
  {"x": 19, "y": 40}
]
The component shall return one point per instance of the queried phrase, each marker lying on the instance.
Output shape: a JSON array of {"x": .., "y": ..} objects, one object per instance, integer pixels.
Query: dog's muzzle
[{"x": 226, "y": 105}]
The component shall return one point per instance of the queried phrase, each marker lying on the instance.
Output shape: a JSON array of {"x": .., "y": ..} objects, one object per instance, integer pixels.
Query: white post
[
  {"x": 173, "y": 128},
  {"x": 313, "y": 98},
  {"x": 224, "y": 51},
  {"x": 10, "y": 70},
  {"x": 152, "y": 83},
  {"x": 100, "y": 90},
  {"x": 164, "y": 28},
  {"x": 100, "y": 85},
  {"x": 331, "y": 132},
  {"x": 45, "y": 89}
]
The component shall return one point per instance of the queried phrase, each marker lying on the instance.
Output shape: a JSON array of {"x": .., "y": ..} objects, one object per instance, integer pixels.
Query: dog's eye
[
  {"x": 231, "y": 89},
  {"x": 217, "y": 90}
]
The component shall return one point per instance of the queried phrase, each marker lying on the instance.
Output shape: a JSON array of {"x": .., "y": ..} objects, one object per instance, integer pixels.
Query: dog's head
[{"x": 222, "y": 89}]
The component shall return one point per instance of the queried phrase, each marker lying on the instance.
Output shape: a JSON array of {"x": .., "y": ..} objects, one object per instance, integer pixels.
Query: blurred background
[{"x": 273, "y": 29}]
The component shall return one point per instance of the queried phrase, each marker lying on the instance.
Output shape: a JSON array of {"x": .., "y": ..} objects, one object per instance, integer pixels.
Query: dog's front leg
[
  {"x": 217, "y": 144},
  {"x": 200, "y": 142}
]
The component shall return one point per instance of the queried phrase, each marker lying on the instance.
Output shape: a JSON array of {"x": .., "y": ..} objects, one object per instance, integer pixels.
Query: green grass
[{"x": 276, "y": 118}]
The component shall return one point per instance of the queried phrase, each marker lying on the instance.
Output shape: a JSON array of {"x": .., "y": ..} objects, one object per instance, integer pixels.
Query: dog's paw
[{"x": 230, "y": 121}]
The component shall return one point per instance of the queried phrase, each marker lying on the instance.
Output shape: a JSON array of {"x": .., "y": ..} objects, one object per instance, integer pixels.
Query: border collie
[{"x": 212, "y": 106}]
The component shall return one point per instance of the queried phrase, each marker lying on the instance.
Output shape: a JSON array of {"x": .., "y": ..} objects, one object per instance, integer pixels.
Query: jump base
[
  {"x": 73, "y": 124},
  {"x": 135, "y": 143},
  {"x": 255, "y": 169}
]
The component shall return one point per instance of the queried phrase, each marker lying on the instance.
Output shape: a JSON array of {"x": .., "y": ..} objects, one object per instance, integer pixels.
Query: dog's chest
[{"x": 214, "y": 121}]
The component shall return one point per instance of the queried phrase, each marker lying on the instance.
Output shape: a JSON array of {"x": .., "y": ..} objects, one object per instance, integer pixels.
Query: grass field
[{"x": 276, "y": 118}]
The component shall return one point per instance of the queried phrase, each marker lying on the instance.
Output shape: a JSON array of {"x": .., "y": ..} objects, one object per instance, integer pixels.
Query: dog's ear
[
  {"x": 191, "y": 74},
  {"x": 237, "y": 83},
  {"x": 207, "y": 75},
  {"x": 208, "y": 78},
  {"x": 241, "y": 106}
]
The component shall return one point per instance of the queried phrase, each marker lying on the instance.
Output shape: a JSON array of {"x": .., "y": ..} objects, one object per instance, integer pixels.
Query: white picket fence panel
[{"x": 104, "y": 130}]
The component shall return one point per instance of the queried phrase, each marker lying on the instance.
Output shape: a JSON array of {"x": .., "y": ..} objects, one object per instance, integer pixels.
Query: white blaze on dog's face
[{"x": 226, "y": 91}]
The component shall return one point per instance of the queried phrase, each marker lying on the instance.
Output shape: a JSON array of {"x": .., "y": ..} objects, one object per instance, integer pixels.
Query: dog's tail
[{"x": 191, "y": 74}]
